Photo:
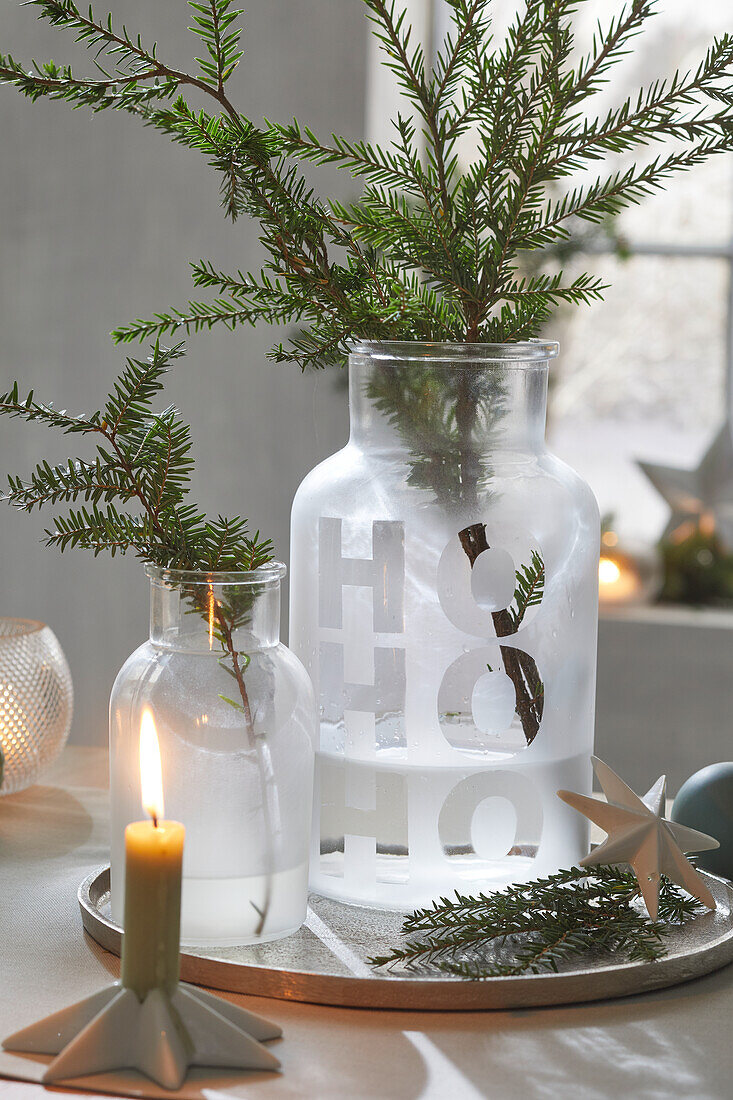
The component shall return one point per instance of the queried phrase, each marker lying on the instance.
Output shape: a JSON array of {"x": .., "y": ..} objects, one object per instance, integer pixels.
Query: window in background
[
  {"x": 644, "y": 374},
  {"x": 647, "y": 373}
]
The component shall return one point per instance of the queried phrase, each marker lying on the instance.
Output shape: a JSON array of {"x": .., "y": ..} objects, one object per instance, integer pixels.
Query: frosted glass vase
[
  {"x": 237, "y": 753},
  {"x": 444, "y": 600}
]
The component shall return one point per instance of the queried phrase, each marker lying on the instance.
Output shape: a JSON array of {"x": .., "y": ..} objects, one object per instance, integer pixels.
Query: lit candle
[
  {"x": 17, "y": 744},
  {"x": 618, "y": 579},
  {"x": 153, "y": 861},
  {"x": 623, "y": 578}
]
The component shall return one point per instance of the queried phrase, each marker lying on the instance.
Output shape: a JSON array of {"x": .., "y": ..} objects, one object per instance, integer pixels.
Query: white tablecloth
[{"x": 675, "y": 1043}]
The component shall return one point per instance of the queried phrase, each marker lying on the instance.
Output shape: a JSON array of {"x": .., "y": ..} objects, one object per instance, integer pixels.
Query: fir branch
[
  {"x": 142, "y": 458},
  {"x": 196, "y": 317},
  {"x": 135, "y": 63},
  {"x": 538, "y": 926},
  {"x": 544, "y": 289},
  {"x": 466, "y": 234},
  {"x": 529, "y": 590},
  {"x": 380, "y": 166},
  {"x": 405, "y": 61},
  {"x": 609, "y": 46},
  {"x": 67, "y": 482},
  {"x": 211, "y": 24},
  {"x": 97, "y": 35},
  {"x": 118, "y": 93}
]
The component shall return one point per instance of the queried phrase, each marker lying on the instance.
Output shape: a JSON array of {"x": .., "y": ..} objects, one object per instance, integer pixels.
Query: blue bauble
[{"x": 705, "y": 802}]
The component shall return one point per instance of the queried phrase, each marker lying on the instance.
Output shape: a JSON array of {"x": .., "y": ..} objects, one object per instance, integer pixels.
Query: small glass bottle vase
[
  {"x": 444, "y": 600},
  {"x": 235, "y": 718}
]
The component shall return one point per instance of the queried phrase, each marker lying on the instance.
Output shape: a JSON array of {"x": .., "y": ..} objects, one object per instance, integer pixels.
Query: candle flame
[
  {"x": 151, "y": 772},
  {"x": 608, "y": 571}
]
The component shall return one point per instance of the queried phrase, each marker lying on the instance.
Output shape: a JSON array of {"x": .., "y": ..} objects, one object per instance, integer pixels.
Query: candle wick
[{"x": 155, "y": 821}]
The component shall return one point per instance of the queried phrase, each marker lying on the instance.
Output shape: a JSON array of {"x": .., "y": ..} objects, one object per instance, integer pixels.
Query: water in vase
[{"x": 238, "y": 904}]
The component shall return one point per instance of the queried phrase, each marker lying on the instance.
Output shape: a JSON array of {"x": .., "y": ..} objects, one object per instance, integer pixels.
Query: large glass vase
[{"x": 444, "y": 601}]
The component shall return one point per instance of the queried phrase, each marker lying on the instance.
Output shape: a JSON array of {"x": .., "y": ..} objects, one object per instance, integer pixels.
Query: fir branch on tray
[{"x": 537, "y": 926}]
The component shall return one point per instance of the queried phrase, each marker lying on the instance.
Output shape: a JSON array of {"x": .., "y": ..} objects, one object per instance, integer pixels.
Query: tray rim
[{"x": 440, "y": 994}]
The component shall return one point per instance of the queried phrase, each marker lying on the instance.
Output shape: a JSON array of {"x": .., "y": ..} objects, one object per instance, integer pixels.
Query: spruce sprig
[
  {"x": 431, "y": 250},
  {"x": 143, "y": 458},
  {"x": 537, "y": 926},
  {"x": 530, "y": 587}
]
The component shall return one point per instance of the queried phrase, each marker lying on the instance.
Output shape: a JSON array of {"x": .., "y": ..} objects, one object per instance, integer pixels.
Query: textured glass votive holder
[{"x": 36, "y": 701}]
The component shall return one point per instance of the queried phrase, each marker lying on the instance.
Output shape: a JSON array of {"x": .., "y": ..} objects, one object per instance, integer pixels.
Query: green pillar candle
[{"x": 151, "y": 943}]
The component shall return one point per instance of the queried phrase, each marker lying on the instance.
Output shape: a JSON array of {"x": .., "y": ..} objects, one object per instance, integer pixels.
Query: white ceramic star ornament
[{"x": 639, "y": 834}]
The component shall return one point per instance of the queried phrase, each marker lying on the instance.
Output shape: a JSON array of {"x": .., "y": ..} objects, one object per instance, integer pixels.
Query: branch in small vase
[{"x": 518, "y": 665}]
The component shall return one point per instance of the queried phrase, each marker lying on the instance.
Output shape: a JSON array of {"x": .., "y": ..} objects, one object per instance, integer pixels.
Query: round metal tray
[{"x": 325, "y": 962}]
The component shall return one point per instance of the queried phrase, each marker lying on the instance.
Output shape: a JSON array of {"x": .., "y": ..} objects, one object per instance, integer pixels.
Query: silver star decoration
[
  {"x": 639, "y": 834},
  {"x": 704, "y": 491},
  {"x": 161, "y": 1036}
]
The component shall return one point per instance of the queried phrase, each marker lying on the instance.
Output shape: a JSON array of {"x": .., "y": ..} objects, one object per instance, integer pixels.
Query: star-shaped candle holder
[
  {"x": 161, "y": 1036},
  {"x": 639, "y": 834}
]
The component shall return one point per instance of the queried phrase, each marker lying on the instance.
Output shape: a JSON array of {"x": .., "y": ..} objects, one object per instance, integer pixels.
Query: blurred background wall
[{"x": 99, "y": 219}]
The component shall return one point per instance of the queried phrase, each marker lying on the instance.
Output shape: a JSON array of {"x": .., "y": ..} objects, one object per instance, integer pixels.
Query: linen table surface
[{"x": 674, "y": 1043}]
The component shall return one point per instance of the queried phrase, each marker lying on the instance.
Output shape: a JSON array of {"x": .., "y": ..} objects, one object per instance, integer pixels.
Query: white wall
[{"x": 664, "y": 696}]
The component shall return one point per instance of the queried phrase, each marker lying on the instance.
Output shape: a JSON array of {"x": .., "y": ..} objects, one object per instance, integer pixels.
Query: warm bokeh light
[
  {"x": 151, "y": 772},
  {"x": 621, "y": 580},
  {"x": 15, "y": 738},
  {"x": 608, "y": 571},
  {"x": 707, "y": 524}
]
